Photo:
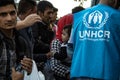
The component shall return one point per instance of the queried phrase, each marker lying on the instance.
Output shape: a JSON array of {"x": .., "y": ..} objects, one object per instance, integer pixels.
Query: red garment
[{"x": 65, "y": 20}]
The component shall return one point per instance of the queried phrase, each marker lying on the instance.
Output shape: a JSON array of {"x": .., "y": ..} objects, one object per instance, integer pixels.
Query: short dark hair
[
  {"x": 94, "y": 2},
  {"x": 25, "y": 5},
  {"x": 77, "y": 9},
  {"x": 7, "y": 2},
  {"x": 43, "y": 5},
  {"x": 55, "y": 9}
]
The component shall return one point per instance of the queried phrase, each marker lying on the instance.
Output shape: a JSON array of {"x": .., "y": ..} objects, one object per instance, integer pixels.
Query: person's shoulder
[
  {"x": 78, "y": 16},
  {"x": 115, "y": 17},
  {"x": 36, "y": 25},
  {"x": 41, "y": 25}
]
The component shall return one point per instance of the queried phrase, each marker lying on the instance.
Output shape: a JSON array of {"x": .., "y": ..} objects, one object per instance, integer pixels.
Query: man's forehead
[
  {"x": 7, "y": 8},
  {"x": 49, "y": 10}
]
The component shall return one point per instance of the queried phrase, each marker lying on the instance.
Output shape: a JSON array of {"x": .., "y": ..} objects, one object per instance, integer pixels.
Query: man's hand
[
  {"x": 49, "y": 55},
  {"x": 27, "y": 64},
  {"x": 31, "y": 19},
  {"x": 28, "y": 21},
  {"x": 16, "y": 75}
]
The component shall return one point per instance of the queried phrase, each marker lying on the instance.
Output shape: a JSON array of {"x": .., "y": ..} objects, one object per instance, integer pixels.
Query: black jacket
[{"x": 43, "y": 37}]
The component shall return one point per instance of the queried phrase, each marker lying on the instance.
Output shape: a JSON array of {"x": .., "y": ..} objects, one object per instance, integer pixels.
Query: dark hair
[
  {"x": 94, "y": 2},
  {"x": 68, "y": 28},
  {"x": 55, "y": 9},
  {"x": 43, "y": 5},
  {"x": 7, "y": 2},
  {"x": 77, "y": 9},
  {"x": 25, "y": 5}
]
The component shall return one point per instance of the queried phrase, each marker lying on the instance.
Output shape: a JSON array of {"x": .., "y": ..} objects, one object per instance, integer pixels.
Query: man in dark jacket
[
  {"x": 8, "y": 16},
  {"x": 42, "y": 33}
]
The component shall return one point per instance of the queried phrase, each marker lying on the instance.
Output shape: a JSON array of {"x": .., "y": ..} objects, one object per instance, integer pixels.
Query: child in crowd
[
  {"x": 59, "y": 50},
  {"x": 62, "y": 55}
]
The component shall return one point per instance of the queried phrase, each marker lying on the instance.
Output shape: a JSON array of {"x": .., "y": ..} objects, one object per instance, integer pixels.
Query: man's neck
[{"x": 7, "y": 32}]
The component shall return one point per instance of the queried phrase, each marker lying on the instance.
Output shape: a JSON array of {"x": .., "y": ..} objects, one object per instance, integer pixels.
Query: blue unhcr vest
[{"x": 96, "y": 35}]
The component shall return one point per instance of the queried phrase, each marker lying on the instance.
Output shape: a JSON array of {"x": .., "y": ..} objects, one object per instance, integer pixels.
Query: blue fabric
[{"x": 96, "y": 35}]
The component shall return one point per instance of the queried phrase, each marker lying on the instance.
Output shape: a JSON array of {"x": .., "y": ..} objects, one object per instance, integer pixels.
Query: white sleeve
[{"x": 71, "y": 37}]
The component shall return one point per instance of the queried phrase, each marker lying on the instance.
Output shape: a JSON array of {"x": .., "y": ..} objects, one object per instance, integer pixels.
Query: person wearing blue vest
[{"x": 95, "y": 37}]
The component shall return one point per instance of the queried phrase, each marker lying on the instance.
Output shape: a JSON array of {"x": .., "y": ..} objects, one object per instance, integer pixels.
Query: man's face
[
  {"x": 8, "y": 17},
  {"x": 54, "y": 16},
  {"x": 47, "y": 15}
]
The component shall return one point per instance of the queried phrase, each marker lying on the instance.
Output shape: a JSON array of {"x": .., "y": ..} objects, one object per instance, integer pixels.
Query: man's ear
[
  {"x": 40, "y": 14},
  {"x": 28, "y": 12}
]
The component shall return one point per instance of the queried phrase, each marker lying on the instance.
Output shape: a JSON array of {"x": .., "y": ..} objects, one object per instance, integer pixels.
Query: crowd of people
[{"x": 81, "y": 45}]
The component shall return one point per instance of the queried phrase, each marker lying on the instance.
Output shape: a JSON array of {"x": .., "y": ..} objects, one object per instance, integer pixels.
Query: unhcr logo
[{"x": 95, "y": 20}]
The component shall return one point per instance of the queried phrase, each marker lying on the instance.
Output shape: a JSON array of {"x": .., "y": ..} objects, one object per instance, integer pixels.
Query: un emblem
[{"x": 95, "y": 20}]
